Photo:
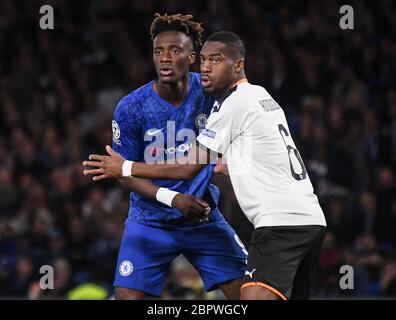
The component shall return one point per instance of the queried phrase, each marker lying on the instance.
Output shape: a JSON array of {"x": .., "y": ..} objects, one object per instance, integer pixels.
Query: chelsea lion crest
[
  {"x": 126, "y": 268},
  {"x": 116, "y": 132},
  {"x": 200, "y": 121}
]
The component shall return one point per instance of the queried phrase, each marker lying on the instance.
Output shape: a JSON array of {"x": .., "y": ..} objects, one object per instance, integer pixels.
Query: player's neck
[
  {"x": 174, "y": 93},
  {"x": 241, "y": 78}
]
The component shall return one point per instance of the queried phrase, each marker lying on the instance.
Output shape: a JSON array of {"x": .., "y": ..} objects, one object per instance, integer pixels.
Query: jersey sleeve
[
  {"x": 222, "y": 127},
  {"x": 126, "y": 127}
]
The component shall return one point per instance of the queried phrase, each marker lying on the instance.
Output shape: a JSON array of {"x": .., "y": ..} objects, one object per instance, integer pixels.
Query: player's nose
[
  {"x": 205, "y": 67},
  {"x": 166, "y": 57}
]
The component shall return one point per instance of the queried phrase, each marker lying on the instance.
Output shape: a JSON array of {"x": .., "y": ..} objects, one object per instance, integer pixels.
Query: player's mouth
[
  {"x": 206, "y": 81},
  {"x": 166, "y": 72}
]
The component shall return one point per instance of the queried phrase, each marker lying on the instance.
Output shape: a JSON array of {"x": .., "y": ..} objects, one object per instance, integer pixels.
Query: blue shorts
[{"x": 213, "y": 248}]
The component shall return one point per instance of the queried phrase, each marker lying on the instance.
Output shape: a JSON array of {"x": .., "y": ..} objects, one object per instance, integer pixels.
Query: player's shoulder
[
  {"x": 253, "y": 97},
  {"x": 248, "y": 99},
  {"x": 134, "y": 100},
  {"x": 195, "y": 78},
  {"x": 248, "y": 92},
  {"x": 242, "y": 95},
  {"x": 259, "y": 100},
  {"x": 195, "y": 84}
]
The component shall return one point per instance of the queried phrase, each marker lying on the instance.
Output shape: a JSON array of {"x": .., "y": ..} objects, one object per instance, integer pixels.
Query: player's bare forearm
[
  {"x": 186, "y": 168},
  {"x": 111, "y": 166},
  {"x": 166, "y": 171},
  {"x": 144, "y": 187},
  {"x": 191, "y": 207}
]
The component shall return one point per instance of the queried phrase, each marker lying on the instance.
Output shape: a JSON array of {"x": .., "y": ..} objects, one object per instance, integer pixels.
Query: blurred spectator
[
  {"x": 9, "y": 194},
  {"x": 329, "y": 266},
  {"x": 79, "y": 241},
  {"x": 388, "y": 279},
  {"x": 370, "y": 257},
  {"x": 20, "y": 282}
]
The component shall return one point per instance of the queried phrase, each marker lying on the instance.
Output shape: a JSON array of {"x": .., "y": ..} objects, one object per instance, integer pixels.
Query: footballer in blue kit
[
  {"x": 155, "y": 123},
  {"x": 146, "y": 127}
]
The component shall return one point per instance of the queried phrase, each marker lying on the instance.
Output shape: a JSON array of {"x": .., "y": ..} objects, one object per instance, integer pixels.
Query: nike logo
[
  {"x": 153, "y": 132},
  {"x": 250, "y": 273}
]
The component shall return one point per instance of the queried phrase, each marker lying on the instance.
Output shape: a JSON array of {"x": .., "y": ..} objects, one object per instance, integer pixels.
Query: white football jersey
[{"x": 267, "y": 173}]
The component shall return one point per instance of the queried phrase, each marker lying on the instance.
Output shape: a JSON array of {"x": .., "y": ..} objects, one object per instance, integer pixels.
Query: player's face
[
  {"x": 172, "y": 55},
  {"x": 218, "y": 69}
]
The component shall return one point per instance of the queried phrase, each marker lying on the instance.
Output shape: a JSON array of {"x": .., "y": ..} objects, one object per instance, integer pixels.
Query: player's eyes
[
  {"x": 157, "y": 52},
  {"x": 216, "y": 61},
  {"x": 176, "y": 51}
]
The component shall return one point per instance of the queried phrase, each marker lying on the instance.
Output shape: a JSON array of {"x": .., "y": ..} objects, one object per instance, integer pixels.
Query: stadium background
[{"x": 59, "y": 88}]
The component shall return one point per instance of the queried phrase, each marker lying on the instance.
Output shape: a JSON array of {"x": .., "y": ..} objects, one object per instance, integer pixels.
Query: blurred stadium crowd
[{"x": 59, "y": 88}]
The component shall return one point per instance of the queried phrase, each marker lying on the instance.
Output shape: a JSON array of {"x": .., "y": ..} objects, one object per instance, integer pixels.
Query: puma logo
[{"x": 250, "y": 273}]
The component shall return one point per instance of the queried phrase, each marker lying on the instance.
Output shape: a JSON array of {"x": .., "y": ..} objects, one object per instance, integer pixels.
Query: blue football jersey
[{"x": 147, "y": 128}]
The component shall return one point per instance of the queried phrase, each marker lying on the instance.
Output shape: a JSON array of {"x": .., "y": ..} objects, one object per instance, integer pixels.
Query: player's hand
[
  {"x": 221, "y": 167},
  {"x": 192, "y": 208},
  {"x": 109, "y": 166}
]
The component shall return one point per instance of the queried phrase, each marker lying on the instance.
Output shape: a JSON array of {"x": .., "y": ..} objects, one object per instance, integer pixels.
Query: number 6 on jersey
[{"x": 295, "y": 159}]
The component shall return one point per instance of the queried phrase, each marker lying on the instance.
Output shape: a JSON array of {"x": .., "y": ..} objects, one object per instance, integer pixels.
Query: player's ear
[
  {"x": 192, "y": 57},
  {"x": 239, "y": 65}
]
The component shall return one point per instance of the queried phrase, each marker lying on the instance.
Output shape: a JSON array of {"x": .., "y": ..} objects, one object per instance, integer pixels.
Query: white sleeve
[{"x": 223, "y": 127}]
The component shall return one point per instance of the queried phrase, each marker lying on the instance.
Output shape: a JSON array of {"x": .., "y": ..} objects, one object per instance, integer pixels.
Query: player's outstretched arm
[
  {"x": 193, "y": 208},
  {"x": 114, "y": 165},
  {"x": 144, "y": 187}
]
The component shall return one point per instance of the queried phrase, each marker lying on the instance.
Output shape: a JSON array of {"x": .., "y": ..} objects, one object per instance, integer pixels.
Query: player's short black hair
[
  {"x": 231, "y": 40},
  {"x": 177, "y": 22}
]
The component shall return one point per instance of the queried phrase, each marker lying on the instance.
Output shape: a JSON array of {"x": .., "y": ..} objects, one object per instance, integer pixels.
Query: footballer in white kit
[
  {"x": 248, "y": 128},
  {"x": 267, "y": 173},
  {"x": 272, "y": 187}
]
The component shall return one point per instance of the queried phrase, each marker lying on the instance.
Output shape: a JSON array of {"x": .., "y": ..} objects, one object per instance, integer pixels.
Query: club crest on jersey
[
  {"x": 126, "y": 268},
  {"x": 116, "y": 132},
  {"x": 201, "y": 120}
]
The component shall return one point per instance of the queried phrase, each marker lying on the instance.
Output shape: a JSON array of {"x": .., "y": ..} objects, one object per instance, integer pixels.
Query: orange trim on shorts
[{"x": 266, "y": 286}]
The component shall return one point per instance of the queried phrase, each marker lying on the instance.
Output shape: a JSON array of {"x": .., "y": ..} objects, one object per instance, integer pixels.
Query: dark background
[{"x": 59, "y": 88}]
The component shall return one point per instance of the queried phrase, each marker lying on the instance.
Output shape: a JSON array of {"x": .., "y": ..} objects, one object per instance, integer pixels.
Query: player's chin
[
  {"x": 208, "y": 89},
  {"x": 168, "y": 79}
]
